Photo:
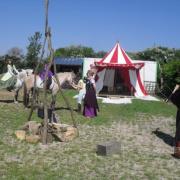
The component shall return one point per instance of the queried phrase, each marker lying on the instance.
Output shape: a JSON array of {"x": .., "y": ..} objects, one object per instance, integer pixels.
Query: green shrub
[{"x": 171, "y": 73}]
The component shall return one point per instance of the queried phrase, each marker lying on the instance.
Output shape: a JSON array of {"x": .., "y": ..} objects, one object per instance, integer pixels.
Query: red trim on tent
[
  {"x": 140, "y": 83},
  {"x": 130, "y": 66},
  {"x": 114, "y": 58},
  {"x": 125, "y": 75},
  {"x": 127, "y": 59},
  {"x": 115, "y": 62}
]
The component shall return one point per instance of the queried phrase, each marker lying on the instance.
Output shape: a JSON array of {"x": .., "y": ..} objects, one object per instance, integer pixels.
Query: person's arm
[
  {"x": 176, "y": 88},
  {"x": 14, "y": 68},
  {"x": 74, "y": 86},
  {"x": 80, "y": 85}
]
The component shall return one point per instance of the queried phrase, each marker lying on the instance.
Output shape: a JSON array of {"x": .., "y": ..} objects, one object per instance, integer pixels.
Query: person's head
[
  {"x": 45, "y": 66},
  {"x": 91, "y": 66},
  {"x": 9, "y": 61},
  {"x": 90, "y": 73}
]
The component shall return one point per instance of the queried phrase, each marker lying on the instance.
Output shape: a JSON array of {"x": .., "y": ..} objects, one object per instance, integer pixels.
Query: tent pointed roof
[{"x": 118, "y": 57}]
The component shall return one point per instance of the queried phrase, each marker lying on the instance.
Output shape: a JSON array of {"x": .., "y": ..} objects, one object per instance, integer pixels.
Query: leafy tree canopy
[
  {"x": 171, "y": 73},
  {"x": 160, "y": 54},
  {"x": 78, "y": 51},
  {"x": 33, "y": 50}
]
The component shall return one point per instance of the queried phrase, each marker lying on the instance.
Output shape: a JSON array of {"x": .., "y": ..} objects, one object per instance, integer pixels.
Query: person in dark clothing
[
  {"x": 175, "y": 98},
  {"x": 49, "y": 76},
  {"x": 90, "y": 100}
]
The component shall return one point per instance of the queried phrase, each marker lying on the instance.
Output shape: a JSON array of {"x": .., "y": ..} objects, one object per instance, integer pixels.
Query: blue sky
[{"x": 136, "y": 24}]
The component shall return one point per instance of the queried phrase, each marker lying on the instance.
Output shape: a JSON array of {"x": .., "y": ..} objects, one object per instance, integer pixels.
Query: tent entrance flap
[{"x": 116, "y": 82}]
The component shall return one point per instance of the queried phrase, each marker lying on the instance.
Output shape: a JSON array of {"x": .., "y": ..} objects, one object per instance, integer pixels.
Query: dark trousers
[
  {"x": 49, "y": 81},
  {"x": 177, "y": 134}
]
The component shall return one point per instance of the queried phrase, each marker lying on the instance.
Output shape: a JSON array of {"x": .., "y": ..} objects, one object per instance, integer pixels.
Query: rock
[
  {"x": 70, "y": 128},
  {"x": 70, "y": 134},
  {"x": 60, "y": 127},
  {"x": 32, "y": 127},
  {"x": 108, "y": 148},
  {"x": 60, "y": 132},
  {"x": 58, "y": 136},
  {"x": 32, "y": 138},
  {"x": 20, "y": 134}
]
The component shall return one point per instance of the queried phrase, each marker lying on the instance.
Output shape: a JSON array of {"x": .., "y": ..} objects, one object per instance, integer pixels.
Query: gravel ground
[{"x": 144, "y": 153}]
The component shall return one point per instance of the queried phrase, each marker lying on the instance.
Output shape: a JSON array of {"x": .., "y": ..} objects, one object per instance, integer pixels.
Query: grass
[
  {"x": 143, "y": 155},
  {"x": 112, "y": 112}
]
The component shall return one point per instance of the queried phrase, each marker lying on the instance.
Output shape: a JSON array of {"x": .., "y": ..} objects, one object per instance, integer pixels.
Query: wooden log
[
  {"x": 20, "y": 134},
  {"x": 31, "y": 127},
  {"x": 68, "y": 135},
  {"x": 32, "y": 138}
]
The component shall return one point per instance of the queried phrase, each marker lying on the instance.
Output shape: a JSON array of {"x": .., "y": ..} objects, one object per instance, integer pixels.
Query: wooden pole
[{"x": 48, "y": 38}]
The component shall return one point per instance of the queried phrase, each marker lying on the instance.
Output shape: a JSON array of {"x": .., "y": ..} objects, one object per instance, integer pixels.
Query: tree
[
  {"x": 75, "y": 51},
  {"x": 171, "y": 74},
  {"x": 2, "y": 64},
  {"x": 78, "y": 51},
  {"x": 100, "y": 54},
  {"x": 15, "y": 52},
  {"x": 161, "y": 55},
  {"x": 16, "y": 55},
  {"x": 33, "y": 50}
]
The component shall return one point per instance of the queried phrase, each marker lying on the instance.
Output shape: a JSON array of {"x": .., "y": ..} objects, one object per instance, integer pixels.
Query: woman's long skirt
[{"x": 90, "y": 104}]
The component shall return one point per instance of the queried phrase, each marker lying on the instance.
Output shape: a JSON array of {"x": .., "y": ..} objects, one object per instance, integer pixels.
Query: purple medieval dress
[
  {"x": 42, "y": 74},
  {"x": 49, "y": 76},
  {"x": 90, "y": 100}
]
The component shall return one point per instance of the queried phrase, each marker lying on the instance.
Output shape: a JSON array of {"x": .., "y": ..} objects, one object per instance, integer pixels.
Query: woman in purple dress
[
  {"x": 49, "y": 76},
  {"x": 90, "y": 101}
]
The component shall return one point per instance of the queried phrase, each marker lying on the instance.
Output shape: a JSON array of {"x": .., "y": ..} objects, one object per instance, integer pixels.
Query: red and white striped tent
[{"x": 118, "y": 60}]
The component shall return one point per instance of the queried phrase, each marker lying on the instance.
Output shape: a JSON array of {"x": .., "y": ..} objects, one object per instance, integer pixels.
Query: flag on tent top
[{"x": 118, "y": 57}]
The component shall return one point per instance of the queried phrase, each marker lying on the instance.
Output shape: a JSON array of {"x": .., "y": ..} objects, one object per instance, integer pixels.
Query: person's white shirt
[
  {"x": 9, "y": 74},
  {"x": 81, "y": 87}
]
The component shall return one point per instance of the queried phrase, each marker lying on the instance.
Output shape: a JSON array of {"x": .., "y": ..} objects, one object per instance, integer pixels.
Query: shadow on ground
[
  {"x": 9, "y": 101},
  {"x": 168, "y": 139},
  {"x": 64, "y": 108}
]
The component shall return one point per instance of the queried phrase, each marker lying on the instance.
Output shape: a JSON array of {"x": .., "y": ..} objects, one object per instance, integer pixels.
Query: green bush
[{"x": 171, "y": 73}]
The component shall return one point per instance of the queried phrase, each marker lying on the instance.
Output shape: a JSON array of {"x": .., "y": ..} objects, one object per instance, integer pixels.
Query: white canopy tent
[{"x": 118, "y": 61}]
